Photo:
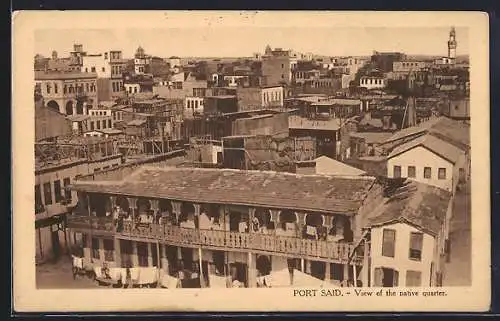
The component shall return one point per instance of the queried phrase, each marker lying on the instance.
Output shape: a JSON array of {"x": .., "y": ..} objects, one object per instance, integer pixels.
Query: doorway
[
  {"x": 56, "y": 247},
  {"x": 386, "y": 277}
]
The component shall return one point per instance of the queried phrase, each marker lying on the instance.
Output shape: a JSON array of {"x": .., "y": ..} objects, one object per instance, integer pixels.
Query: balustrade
[{"x": 219, "y": 239}]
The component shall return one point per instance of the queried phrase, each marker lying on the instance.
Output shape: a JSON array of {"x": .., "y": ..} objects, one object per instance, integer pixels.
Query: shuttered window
[
  {"x": 388, "y": 242},
  {"x": 413, "y": 278},
  {"x": 416, "y": 243}
]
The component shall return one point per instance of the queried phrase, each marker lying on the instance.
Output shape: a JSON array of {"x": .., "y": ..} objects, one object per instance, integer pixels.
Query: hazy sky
[{"x": 244, "y": 41}]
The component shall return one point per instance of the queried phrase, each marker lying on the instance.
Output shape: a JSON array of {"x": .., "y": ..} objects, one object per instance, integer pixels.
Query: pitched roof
[
  {"x": 421, "y": 205},
  {"x": 453, "y": 131},
  {"x": 439, "y": 147},
  {"x": 336, "y": 168},
  {"x": 251, "y": 188}
]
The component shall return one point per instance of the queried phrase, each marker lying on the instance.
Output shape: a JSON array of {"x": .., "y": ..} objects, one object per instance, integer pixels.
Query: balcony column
[
  {"x": 301, "y": 222},
  {"x": 200, "y": 262},
  {"x": 251, "y": 214},
  {"x": 365, "y": 270},
  {"x": 197, "y": 212},
  {"x": 275, "y": 217},
  {"x": 252, "y": 270},
  {"x": 102, "y": 257},
  {"x": 176, "y": 209},
  {"x": 112, "y": 199},
  {"x": 117, "y": 252},
  {"x": 155, "y": 206},
  {"x": 150, "y": 254},
  {"x": 132, "y": 203},
  {"x": 135, "y": 258},
  {"x": 164, "y": 261},
  {"x": 327, "y": 271}
]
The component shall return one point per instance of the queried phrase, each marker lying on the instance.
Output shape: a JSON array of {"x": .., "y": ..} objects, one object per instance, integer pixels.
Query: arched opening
[
  {"x": 144, "y": 210},
  {"x": 314, "y": 228},
  {"x": 261, "y": 220},
  {"x": 341, "y": 228},
  {"x": 238, "y": 221},
  {"x": 288, "y": 221},
  {"x": 79, "y": 108},
  {"x": 100, "y": 205},
  {"x": 167, "y": 215},
  {"x": 209, "y": 216},
  {"x": 69, "y": 108},
  {"x": 53, "y": 105},
  {"x": 186, "y": 216}
]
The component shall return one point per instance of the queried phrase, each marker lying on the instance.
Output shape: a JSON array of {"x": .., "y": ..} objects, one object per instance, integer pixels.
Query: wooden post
[
  {"x": 90, "y": 229},
  {"x": 365, "y": 270},
  {"x": 200, "y": 259},
  {"x": 158, "y": 262},
  {"x": 302, "y": 265},
  {"x": 355, "y": 277}
]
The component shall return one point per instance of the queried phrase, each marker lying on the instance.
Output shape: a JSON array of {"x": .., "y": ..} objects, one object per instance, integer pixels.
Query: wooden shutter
[
  {"x": 395, "y": 281},
  {"x": 388, "y": 242},
  {"x": 379, "y": 277}
]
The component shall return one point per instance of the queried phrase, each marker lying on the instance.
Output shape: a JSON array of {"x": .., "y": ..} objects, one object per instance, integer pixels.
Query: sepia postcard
[{"x": 250, "y": 161}]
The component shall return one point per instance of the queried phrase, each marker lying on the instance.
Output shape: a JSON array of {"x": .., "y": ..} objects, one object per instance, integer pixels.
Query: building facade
[{"x": 70, "y": 93}]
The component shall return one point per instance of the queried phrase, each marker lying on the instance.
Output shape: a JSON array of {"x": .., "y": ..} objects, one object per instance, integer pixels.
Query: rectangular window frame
[
  {"x": 396, "y": 169},
  {"x": 47, "y": 193},
  {"x": 412, "y": 172},
  {"x": 441, "y": 173},
  {"x": 415, "y": 254},
  {"x": 58, "y": 191},
  {"x": 392, "y": 252},
  {"x": 427, "y": 172}
]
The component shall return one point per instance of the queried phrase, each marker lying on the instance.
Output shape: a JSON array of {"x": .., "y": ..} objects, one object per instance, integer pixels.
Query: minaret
[{"x": 452, "y": 44}]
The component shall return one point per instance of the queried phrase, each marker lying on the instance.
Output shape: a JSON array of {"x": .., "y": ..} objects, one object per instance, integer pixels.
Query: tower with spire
[{"x": 452, "y": 45}]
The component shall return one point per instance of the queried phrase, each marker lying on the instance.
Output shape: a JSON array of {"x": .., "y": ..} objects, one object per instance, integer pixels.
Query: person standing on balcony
[{"x": 255, "y": 224}]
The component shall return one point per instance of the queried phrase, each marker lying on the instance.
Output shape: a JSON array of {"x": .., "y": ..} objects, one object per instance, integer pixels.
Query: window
[
  {"x": 47, "y": 193},
  {"x": 106, "y": 55},
  {"x": 95, "y": 248},
  {"x": 416, "y": 242},
  {"x": 103, "y": 69},
  {"x": 282, "y": 65},
  {"x": 67, "y": 193},
  {"x": 413, "y": 278},
  {"x": 98, "y": 124},
  {"x": 86, "y": 69},
  {"x": 92, "y": 69},
  {"x": 48, "y": 88},
  {"x": 55, "y": 88},
  {"x": 109, "y": 123},
  {"x": 109, "y": 250},
  {"x": 411, "y": 171},
  {"x": 397, "y": 171},
  {"x": 57, "y": 191},
  {"x": 103, "y": 123},
  {"x": 442, "y": 173},
  {"x": 91, "y": 125},
  {"x": 65, "y": 89},
  {"x": 388, "y": 242},
  {"x": 427, "y": 172},
  {"x": 38, "y": 198}
]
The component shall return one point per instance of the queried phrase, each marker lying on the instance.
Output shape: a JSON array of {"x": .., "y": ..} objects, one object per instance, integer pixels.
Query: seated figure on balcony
[{"x": 255, "y": 224}]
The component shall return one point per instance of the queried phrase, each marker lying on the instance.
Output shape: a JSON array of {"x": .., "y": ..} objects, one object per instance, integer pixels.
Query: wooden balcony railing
[{"x": 225, "y": 240}]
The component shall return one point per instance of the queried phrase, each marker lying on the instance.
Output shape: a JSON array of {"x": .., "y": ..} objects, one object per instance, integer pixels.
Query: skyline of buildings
[{"x": 209, "y": 43}]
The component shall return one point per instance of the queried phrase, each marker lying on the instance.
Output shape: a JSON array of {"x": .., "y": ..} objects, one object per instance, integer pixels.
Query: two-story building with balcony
[
  {"x": 231, "y": 223},
  {"x": 212, "y": 228}
]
